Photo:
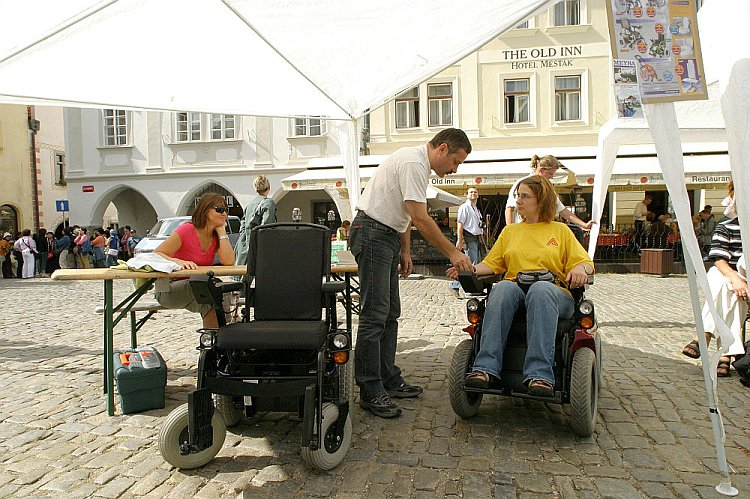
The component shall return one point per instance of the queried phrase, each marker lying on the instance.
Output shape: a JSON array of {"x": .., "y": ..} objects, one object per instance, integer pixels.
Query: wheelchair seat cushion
[{"x": 272, "y": 334}]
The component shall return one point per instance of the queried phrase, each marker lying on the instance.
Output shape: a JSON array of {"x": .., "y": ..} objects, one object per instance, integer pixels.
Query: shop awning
[
  {"x": 333, "y": 178},
  {"x": 645, "y": 170}
]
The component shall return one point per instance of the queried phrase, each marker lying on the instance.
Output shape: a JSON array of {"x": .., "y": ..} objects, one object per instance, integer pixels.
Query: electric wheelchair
[
  {"x": 577, "y": 363},
  {"x": 291, "y": 356}
]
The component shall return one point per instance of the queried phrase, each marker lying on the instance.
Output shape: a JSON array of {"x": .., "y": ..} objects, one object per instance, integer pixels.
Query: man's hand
[
  {"x": 461, "y": 262},
  {"x": 459, "y": 245},
  {"x": 405, "y": 265},
  {"x": 587, "y": 225},
  {"x": 577, "y": 277}
]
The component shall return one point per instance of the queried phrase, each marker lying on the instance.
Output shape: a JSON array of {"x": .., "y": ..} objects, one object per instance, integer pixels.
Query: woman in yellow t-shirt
[{"x": 537, "y": 243}]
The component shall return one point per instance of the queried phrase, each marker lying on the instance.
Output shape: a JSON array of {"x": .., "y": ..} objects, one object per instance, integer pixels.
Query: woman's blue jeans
[
  {"x": 544, "y": 303},
  {"x": 376, "y": 248}
]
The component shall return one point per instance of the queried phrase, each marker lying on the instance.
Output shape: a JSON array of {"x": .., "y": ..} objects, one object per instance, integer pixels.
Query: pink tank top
[{"x": 191, "y": 246}]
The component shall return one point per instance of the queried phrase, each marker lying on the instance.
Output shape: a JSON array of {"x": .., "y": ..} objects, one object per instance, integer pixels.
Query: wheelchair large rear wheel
[
  {"x": 174, "y": 431},
  {"x": 584, "y": 392},
  {"x": 333, "y": 448},
  {"x": 465, "y": 404},
  {"x": 229, "y": 409}
]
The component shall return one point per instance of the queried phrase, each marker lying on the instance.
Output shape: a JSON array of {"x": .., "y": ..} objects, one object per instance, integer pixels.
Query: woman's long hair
[
  {"x": 546, "y": 197},
  {"x": 206, "y": 202}
]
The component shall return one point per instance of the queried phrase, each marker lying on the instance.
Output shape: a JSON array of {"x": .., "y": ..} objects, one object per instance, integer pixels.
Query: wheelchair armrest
[
  {"x": 229, "y": 286},
  {"x": 333, "y": 287},
  {"x": 471, "y": 283}
]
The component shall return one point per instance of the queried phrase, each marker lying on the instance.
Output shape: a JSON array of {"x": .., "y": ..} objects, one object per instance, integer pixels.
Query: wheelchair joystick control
[{"x": 210, "y": 273}]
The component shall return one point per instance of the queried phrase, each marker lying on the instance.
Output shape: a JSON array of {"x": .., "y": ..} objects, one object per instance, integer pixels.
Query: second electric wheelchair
[{"x": 290, "y": 356}]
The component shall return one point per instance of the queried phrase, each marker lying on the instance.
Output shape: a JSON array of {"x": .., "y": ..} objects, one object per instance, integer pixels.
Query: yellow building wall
[{"x": 15, "y": 171}]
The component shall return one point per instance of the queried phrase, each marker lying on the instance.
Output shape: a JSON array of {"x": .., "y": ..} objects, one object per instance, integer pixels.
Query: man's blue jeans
[
  {"x": 376, "y": 248},
  {"x": 544, "y": 303}
]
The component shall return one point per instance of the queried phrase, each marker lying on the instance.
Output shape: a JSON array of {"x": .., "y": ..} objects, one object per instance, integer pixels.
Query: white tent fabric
[{"x": 334, "y": 58}]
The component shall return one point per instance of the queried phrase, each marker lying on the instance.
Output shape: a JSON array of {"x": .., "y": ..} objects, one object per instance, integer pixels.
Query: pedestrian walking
[
  {"x": 97, "y": 245},
  {"x": 260, "y": 211},
  {"x": 6, "y": 250},
  {"x": 27, "y": 247}
]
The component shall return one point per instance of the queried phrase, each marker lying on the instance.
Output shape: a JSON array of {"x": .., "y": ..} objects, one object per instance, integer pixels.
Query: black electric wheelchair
[
  {"x": 577, "y": 363},
  {"x": 290, "y": 356}
]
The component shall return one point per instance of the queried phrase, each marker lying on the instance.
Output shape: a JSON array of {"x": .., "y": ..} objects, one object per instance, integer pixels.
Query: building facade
[{"x": 16, "y": 194}]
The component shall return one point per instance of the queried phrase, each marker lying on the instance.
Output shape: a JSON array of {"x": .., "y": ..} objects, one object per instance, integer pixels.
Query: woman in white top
[{"x": 545, "y": 166}]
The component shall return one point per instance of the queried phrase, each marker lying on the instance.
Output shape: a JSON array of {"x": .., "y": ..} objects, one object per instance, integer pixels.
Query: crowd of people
[{"x": 25, "y": 255}]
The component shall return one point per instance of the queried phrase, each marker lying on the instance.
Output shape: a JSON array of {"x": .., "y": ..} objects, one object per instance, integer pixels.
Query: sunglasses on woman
[{"x": 220, "y": 209}]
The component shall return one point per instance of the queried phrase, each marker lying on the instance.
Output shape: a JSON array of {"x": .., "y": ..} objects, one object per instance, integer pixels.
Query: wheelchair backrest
[{"x": 289, "y": 262}]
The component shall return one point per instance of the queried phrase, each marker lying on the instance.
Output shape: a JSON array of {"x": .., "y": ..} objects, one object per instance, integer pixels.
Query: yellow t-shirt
[{"x": 545, "y": 245}]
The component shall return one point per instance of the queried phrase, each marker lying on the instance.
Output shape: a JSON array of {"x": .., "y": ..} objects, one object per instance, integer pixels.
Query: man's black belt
[{"x": 362, "y": 214}]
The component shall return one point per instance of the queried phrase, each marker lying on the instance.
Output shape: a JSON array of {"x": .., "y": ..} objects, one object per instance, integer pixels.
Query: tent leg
[{"x": 725, "y": 487}]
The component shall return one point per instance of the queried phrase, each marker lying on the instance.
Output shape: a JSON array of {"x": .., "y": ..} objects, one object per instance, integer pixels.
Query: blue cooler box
[{"x": 140, "y": 388}]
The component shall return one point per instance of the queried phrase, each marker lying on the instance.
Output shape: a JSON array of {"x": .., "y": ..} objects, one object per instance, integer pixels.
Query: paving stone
[{"x": 653, "y": 437}]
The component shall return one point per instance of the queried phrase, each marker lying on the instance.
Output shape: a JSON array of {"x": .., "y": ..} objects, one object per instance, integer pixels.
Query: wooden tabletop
[{"x": 109, "y": 274}]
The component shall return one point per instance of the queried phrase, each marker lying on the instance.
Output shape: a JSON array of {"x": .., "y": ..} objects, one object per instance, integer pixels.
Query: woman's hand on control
[{"x": 577, "y": 277}]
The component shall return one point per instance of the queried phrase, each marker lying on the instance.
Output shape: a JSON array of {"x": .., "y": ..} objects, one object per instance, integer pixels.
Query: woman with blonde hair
[
  {"x": 536, "y": 243},
  {"x": 546, "y": 166},
  {"x": 260, "y": 211}
]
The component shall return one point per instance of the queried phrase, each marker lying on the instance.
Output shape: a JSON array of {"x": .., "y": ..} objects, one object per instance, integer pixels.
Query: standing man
[
  {"x": 394, "y": 200},
  {"x": 469, "y": 229},
  {"x": 639, "y": 213}
]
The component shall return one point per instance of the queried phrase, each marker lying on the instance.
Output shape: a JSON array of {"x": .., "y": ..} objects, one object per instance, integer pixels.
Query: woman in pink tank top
[{"x": 194, "y": 244}]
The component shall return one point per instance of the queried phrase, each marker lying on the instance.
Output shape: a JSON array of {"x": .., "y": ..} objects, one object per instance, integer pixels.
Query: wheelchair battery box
[{"x": 141, "y": 377}]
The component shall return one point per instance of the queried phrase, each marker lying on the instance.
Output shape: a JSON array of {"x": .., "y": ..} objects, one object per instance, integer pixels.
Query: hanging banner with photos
[{"x": 661, "y": 38}]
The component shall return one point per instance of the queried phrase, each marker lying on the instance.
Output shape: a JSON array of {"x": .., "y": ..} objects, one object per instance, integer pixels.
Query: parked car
[{"x": 164, "y": 227}]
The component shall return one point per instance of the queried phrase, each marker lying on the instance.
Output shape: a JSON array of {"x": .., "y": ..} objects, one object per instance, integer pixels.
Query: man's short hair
[
  {"x": 455, "y": 138},
  {"x": 648, "y": 196}
]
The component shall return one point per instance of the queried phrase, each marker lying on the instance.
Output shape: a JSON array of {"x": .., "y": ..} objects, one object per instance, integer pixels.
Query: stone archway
[
  {"x": 132, "y": 209},
  {"x": 234, "y": 205},
  {"x": 8, "y": 219}
]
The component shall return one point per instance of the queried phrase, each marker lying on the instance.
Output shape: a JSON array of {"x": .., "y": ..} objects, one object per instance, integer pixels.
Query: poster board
[{"x": 661, "y": 37}]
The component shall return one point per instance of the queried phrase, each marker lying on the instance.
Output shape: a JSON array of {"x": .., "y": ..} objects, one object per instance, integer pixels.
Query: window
[
  {"x": 59, "y": 168},
  {"x": 188, "y": 127},
  {"x": 115, "y": 127},
  {"x": 567, "y": 98},
  {"x": 222, "y": 126},
  {"x": 407, "y": 109},
  {"x": 517, "y": 101},
  {"x": 523, "y": 25},
  {"x": 440, "y": 104},
  {"x": 567, "y": 13},
  {"x": 312, "y": 126}
]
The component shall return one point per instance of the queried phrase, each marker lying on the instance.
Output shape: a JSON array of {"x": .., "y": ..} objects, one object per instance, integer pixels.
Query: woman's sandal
[
  {"x": 477, "y": 379},
  {"x": 540, "y": 388},
  {"x": 722, "y": 369},
  {"x": 692, "y": 350}
]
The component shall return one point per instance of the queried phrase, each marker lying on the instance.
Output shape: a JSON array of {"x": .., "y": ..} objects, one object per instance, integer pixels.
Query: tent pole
[{"x": 709, "y": 379}]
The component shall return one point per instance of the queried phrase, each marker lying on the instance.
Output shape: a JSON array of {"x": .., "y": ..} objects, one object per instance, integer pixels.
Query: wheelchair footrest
[{"x": 200, "y": 412}]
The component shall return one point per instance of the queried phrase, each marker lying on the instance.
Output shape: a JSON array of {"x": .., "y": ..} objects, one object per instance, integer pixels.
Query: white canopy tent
[{"x": 330, "y": 58}]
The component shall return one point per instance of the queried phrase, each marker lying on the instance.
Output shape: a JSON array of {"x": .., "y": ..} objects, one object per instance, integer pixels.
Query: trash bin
[{"x": 657, "y": 261}]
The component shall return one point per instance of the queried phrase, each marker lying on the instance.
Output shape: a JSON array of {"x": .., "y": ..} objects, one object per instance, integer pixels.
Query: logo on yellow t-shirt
[{"x": 552, "y": 242}]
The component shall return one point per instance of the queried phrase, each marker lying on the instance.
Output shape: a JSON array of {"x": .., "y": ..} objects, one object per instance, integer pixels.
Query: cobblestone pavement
[{"x": 653, "y": 439}]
